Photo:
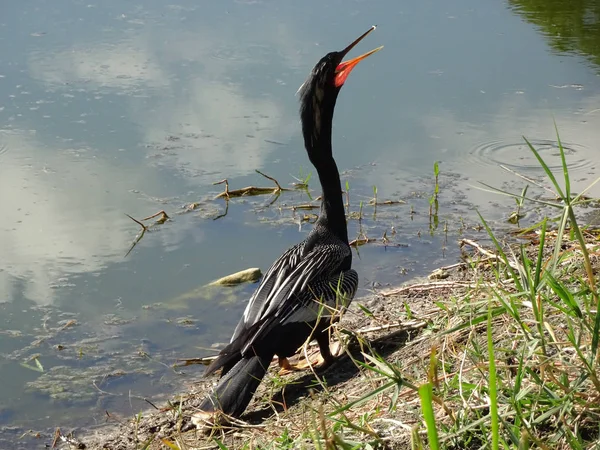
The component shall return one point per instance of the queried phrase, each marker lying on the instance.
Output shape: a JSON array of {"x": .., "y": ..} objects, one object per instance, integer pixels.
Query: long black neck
[
  {"x": 333, "y": 215},
  {"x": 316, "y": 128}
]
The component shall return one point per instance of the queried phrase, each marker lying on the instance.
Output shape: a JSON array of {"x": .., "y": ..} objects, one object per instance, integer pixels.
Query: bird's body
[
  {"x": 309, "y": 273},
  {"x": 312, "y": 283}
]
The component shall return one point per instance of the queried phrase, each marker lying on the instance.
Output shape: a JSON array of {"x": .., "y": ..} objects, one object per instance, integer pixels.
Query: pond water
[{"x": 116, "y": 108}]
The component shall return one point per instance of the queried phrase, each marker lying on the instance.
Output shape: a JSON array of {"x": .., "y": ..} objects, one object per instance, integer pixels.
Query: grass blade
[
  {"x": 549, "y": 173},
  {"x": 170, "y": 444},
  {"x": 426, "y": 395},
  {"x": 492, "y": 383},
  {"x": 564, "y": 164},
  {"x": 540, "y": 257}
]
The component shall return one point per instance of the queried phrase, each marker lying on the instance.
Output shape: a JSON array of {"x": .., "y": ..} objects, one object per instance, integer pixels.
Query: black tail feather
[
  {"x": 226, "y": 360},
  {"x": 236, "y": 388}
]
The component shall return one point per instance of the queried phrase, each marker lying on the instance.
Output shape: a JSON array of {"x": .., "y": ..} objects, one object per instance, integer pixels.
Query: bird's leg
[{"x": 325, "y": 358}]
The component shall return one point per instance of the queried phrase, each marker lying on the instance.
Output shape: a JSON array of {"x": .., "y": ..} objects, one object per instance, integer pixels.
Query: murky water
[{"x": 109, "y": 109}]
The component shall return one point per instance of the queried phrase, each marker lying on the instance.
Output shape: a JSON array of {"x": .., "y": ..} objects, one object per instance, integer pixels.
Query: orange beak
[{"x": 344, "y": 68}]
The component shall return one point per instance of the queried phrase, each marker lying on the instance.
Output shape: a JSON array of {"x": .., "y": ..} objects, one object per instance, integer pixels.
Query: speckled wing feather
[
  {"x": 297, "y": 296},
  {"x": 322, "y": 298},
  {"x": 276, "y": 275}
]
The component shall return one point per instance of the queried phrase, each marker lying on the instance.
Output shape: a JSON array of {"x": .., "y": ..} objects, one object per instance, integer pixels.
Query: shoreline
[{"x": 406, "y": 328}]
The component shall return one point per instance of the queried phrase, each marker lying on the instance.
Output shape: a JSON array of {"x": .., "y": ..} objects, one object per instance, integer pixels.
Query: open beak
[{"x": 345, "y": 67}]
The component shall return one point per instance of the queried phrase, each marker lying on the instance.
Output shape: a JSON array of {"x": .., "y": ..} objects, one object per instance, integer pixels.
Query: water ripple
[{"x": 518, "y": 156}]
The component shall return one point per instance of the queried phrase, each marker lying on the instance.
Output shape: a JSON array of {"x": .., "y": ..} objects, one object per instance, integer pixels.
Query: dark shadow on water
[{"x": 570, "y": 27}]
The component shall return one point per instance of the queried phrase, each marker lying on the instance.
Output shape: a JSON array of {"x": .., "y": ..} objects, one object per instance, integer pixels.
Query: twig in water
[
  {"x": 226, "y": 192},
  {"x": 163, "y": 218},
  {"x": 104, "y": 392},
  {"x": 387, "y": 202},
  {"x": 304, "y": 206},
  {"x": 139, "y": 237},
  {"x": 152, "y": 404},
  {"x": 56, "y": 437},
  {"x": 226, "y": 210},
  {"x": 275, "y": 197},
  {"x": 145, "y": 354},
  {"x": 191, "y": 361},
  {"x": 250, "y": 190},
  {"x": 311, "y": 218},
  {"x": 270, "y": 178},
  {"x": 361, "y": 240},
  {"x": 271, "y": 141}
]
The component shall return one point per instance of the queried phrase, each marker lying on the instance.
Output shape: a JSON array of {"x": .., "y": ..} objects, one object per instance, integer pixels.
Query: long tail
[{"x": 237, "y": 386}]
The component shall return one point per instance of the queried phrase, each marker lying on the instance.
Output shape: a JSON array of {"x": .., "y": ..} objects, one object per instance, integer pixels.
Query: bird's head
[{"x": 319, "y": 92}]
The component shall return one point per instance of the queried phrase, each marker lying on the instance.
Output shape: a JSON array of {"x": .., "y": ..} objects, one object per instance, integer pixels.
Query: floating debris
[
  {"x": 386, "y": 202},
  {"x": 438, "y": 274},
  {"x": 250, "y": 190},
  {"x": 244, "y": 276}
]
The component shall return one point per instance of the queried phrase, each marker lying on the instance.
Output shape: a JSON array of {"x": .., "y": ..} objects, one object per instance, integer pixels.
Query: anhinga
[{"x": 312, "y": 283}]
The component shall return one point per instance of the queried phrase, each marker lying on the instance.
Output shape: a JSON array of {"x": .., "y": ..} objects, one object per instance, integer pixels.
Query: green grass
[{"x": 541, "y": 388}]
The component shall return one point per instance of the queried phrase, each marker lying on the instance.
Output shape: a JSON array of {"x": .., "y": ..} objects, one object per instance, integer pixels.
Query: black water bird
[{"x": 312, "y": 283}]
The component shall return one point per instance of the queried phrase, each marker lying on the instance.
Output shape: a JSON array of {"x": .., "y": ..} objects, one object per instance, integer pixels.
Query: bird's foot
[
  {"x": 206, "y": 421},
  {"x": 314, "y": 361},
  {"x": 286, "y": 367}
]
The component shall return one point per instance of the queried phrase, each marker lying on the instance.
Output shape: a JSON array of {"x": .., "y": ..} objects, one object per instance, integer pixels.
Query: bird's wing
[
  {"x": 292, "y": 294},
  {"x": 272, "y": 280}
]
